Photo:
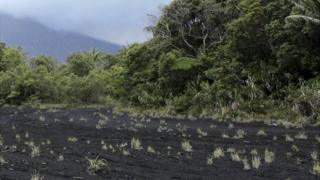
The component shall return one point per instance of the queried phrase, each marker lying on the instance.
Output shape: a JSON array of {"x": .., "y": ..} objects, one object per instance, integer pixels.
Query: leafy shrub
[{"x": 80, "y": 64}]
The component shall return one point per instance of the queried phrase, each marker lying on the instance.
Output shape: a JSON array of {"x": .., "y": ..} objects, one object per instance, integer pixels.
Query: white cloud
[{"x": 120, "y": 21}]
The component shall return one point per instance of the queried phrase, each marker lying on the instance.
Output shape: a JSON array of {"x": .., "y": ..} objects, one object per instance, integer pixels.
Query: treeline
[{"x": 236, "y": 58}]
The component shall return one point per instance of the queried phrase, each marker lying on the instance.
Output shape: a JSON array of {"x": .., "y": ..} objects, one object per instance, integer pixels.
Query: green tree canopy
[{"x": 80, "y": 64}]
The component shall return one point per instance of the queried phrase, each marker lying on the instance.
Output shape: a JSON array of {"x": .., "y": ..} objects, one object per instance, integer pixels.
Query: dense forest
[{"x": 231, "y": 58}]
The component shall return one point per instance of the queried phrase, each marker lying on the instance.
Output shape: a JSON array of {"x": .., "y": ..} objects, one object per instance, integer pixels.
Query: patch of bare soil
[{"x": 92, "y": 143}]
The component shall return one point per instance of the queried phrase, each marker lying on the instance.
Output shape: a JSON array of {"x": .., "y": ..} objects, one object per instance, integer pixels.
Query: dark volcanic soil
[{"x": 68, "y": 138}]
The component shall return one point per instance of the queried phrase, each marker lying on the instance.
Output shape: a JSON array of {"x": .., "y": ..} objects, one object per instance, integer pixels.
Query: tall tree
[{"x": 193, "y": 25}]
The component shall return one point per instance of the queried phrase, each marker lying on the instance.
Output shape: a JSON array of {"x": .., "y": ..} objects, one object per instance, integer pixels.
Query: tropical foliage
[
  {"x": 246, "y": 58},
  {"x": 309, "y": 9}
]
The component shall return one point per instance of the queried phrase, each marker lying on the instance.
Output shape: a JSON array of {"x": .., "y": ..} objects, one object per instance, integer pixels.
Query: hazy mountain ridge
[{"x": 37, "y": 39}]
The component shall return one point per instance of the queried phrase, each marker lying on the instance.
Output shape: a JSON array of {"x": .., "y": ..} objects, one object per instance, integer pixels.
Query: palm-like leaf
[
  {"x": 303, "y": 17},
  {"x": 309, "y": 11}
]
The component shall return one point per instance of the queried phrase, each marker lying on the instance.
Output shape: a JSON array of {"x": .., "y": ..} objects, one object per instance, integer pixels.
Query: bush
[
  {"x": 10, "y": 58},
  {"x": 80, "y": 64},
  {"x": 48, "y": 63},
  {"x": 7, "y": 80},
  {"x": 306, "y": 100},
  {"x": 83, "y": 90}
]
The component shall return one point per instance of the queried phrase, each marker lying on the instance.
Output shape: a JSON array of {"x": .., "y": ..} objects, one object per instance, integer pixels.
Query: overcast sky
[{"x": 119, "y": 21}]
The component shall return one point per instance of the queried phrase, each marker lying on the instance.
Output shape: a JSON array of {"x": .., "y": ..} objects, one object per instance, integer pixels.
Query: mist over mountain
[{"x": 37, "y": 39}]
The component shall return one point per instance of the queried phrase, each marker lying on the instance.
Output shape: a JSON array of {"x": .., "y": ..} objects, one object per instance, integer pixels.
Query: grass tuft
[
  {"x": 36, "y": 176},
  {"x": 97, "y": 164},
  {"x": 136, "y": 144},
  {"x": 256, "y": 162},
  {"x": 316, "y": 169},
  {"x": 186, "y": 146},
  {"x": 35, "y": 151},
  {"x": 269, "y": 156}
]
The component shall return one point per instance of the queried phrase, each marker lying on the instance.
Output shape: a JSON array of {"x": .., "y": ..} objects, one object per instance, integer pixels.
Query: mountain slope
[{"x": 37, "y": 39}]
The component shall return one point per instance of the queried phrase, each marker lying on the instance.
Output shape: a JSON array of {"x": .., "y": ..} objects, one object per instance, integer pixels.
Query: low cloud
[{"x": 120, "y": 21}]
